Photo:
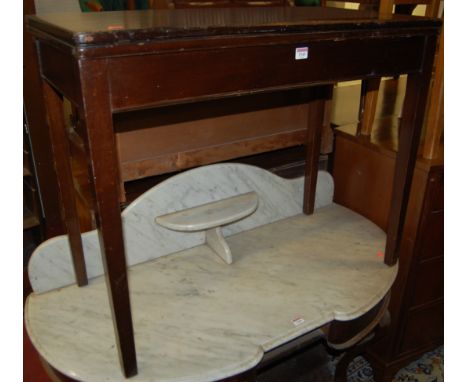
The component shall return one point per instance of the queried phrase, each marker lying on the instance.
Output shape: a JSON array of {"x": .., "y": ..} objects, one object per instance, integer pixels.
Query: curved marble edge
[
  {"x": 208, "y": 376},
  {"x": 211, "y": 215},
  {"x": 50, "y": 266},
  {"x": 338, "y": 315},
  {"x": 347, "y": 316},
  {"x": 315, "y": 315}
]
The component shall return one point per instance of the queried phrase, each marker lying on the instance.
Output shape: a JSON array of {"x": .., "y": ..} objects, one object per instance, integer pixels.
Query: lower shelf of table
[{"x": 199, "y": 319}]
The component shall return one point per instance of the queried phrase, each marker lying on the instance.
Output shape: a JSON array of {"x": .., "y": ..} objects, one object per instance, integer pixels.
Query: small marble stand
[
  {"x": 195, "y": 318},
  {"x": 210, "y": 217}
]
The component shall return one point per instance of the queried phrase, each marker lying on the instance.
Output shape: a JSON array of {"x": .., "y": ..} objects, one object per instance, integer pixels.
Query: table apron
[{"x": 167, "y": 78}]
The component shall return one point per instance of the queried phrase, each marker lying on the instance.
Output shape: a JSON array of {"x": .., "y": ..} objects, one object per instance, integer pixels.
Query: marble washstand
[{"x": 196, "y": 317}]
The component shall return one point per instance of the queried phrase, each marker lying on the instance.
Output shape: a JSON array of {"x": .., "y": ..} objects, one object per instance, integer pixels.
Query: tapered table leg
[
  {"x": 314, "y": 130},
  {"x": 61, "y": 151},
  {"x": 97, "y": 117},
  {"x": 414, "y": 108}
]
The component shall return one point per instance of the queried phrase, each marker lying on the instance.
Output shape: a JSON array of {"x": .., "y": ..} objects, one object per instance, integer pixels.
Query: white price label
[
  {"x": 297, "y": 321},
  {"x": 302, "y": 53}
]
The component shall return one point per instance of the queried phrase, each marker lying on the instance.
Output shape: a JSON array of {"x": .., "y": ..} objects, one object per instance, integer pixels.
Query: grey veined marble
[
  {"x": 51, "y": 267},
  {"x": 198, "y": 319}
]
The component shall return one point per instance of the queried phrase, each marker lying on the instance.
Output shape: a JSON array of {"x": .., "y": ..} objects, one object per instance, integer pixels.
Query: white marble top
[{"x": 196, "y": 319}]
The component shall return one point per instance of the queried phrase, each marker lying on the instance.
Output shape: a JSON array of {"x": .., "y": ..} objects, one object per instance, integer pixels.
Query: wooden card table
[{"x": 194, "y": 318}]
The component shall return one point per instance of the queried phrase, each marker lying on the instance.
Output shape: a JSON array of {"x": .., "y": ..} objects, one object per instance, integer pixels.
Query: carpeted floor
[{"x": 428, "y": 368}]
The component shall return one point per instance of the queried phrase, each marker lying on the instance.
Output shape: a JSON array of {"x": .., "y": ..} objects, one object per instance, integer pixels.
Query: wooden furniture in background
[
  {"x": 33, "y": 223},
  {"x": 38, "y": 134},
  {"x": 435, "y": 113},
  {"x": 363, "y": 162},
  {"x": 113, "y": 73},
  {"x": 370, "y": 87},
  {"x": 363, "y": 173},
  {"x": 31, "y": 204},
  {"x": 407, "y": 6},
  {"x": 417, "y": 296},
  {"x": 288, "y": 162},
  {"x": 227, "y": 3},
  {"x": 200, "y": 4}
]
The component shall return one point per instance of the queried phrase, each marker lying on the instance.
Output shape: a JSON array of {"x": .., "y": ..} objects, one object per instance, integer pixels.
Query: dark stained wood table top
[{"x": 132, "y": 26}]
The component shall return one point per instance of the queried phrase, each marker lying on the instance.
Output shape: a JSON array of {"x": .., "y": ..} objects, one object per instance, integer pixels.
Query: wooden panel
[
  {"x": 363, "y": 179},
  {"x": 424, "y": 326},
  {"x": 429, "y": 283},
  {"x": 149, "y": 142},
  {"x": 60, "y": 69},
  {"x": 227, "y": 3},
  {"x": 31, "y": 213},
  {"x": 288, "y": 163},
  {"x": 363, "y": 173},
  {"x": 431, "y": 230},
  {"x": 436, "y": 191},
  {"x": 197, "y": 157},
  {"x": 200, "y": 3},
  {"x": 432, "y": 236},
  {"x": 255, "y": 68},
  {"x": 259, "y": 3},
  {"x": 340, "y": 332},
  {"x": 38, "y": 132},
  {"x": 162, "y": 140}
]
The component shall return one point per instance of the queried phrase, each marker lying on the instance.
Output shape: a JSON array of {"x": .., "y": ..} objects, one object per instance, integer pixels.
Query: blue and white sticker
[{"x": 302, "y": 53}]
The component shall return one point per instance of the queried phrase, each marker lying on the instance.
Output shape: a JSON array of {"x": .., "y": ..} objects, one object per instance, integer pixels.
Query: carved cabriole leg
[
  {"x": 61, "y": 151},
  {"x": 314, "y": 130},
  {"x": 414, "y": 107},
  {"x": 97, "y": 117}
]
